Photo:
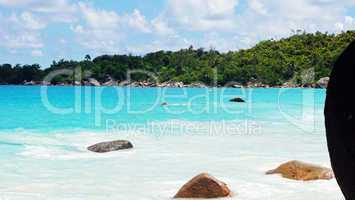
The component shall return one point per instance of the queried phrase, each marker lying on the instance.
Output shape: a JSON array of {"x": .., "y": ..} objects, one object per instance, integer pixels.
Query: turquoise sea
[{"x": 44, "y": 132}]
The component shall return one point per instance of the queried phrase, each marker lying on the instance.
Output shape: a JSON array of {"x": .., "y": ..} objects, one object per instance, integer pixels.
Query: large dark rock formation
[{"x": 339, "y": 120}]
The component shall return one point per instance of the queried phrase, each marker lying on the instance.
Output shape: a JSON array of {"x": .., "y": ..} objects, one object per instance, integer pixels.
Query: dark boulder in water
[
  {"x": 203, "y": 186},
  {"x": 105, "y": 147},
  {"x": 238, "y": 100}
]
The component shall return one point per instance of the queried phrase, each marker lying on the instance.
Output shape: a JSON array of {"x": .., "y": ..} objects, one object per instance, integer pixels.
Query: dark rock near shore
[
  {"x": 204, "y": 186},
  {"x": 297, "y": 170},
  {"x": 105, "y": 147},
  {"x": 238, "y": 100}
]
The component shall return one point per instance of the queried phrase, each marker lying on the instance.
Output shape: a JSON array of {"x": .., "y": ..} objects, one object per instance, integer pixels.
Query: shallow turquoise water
[
  {"x": 24, "y": 107},
  {"x": 44, "y": 156}
]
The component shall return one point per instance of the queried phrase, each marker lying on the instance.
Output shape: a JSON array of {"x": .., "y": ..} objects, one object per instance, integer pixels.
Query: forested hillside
[{"x": 272, "y": 62}]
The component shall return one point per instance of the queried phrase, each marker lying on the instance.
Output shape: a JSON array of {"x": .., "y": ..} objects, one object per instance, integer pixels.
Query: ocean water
[{"x": 44, "y": 133}]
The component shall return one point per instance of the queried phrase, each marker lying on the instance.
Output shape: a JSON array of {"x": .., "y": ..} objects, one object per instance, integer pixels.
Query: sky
[{"x": 40, "y": 31}]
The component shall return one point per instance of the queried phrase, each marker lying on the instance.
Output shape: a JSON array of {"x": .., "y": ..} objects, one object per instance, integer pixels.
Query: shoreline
[
  {"x": 321, "y": 83},
  {"x": 318, "y": 85},
  {"x": 210, "y": 87}
]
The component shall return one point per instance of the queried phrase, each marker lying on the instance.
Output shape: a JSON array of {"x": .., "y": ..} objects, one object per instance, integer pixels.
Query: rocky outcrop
[
  {"x": 29, "y": 83},
  {"x": 309, "y": 85},
  {"x": 323, "y": 82},
  {"x": 289, "y": 84},
  {"x": 94, "y": 82},
  {"x": 172, "y": 84},
  {"x": 238, "y": 100},
  {"x": 105, "y": 147},
  {"x": 138, "y": 84},
  {"x": 298, "y": 170},
  {"x": 110, "y": 83},
  {"x": 256, "y": 85},
  {"x": 237, "y": 86},
  {"x": 203, "y": 186},
  {"x": 196, "y": 85}
]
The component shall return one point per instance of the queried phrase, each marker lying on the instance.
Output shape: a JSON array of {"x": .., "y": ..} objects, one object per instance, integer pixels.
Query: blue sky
[{"x": 40, "y": 31}]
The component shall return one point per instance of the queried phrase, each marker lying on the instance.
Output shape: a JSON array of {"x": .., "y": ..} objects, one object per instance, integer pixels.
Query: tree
[
  {"x": 88, "y": 57},
  {"x": 271, "y": 62}
]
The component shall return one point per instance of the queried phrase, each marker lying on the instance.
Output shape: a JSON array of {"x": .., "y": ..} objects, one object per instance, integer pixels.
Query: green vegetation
[{"x": 270, "y": 62}]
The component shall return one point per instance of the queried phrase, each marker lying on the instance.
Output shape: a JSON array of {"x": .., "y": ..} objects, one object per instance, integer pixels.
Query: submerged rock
[
  {"x": 105, "y": 147},
  {"x": 238, "y": 100},
  {"x": 203, "y": 186},
  {"x": 297, "y": 170}
]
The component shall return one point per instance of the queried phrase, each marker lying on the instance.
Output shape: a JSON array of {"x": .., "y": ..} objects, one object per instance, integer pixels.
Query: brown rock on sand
[
  {"x": 203, "y": 186},
  {"x": 297, "y": 170}
]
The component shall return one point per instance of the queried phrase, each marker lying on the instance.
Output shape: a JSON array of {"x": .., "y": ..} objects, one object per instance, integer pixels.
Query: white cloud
[
  {"x": 216, "y": 22},
  {"x": 138, "y": 21},
  {"x": 167, "y": 42},
  {"x": 40, "y": 5},
  {"x": 265, "y": 19},
  {"x": 201, "y": 15},
  {"x": 160, "y": 27},
  {"x": 20, "y": 32},
  {"x": 22, "y": 40},
  {"x": 32, "y": 22},
  {"x": 15, "y": 2},
  {"x": 105, "y": 30},
  {"x": 223, "y": 27},
  {"x": 28, "y": 19},
  {"x": 53, "y": 10},
  {"x": 346, "y": 24},
  {"x": 258, "y": 7},
  {"x": 37, "y": 53},
  {"x": 100, "y": 30},
  {"x": 202, "y": 23},
  {"x": 99, "y": 19}
]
